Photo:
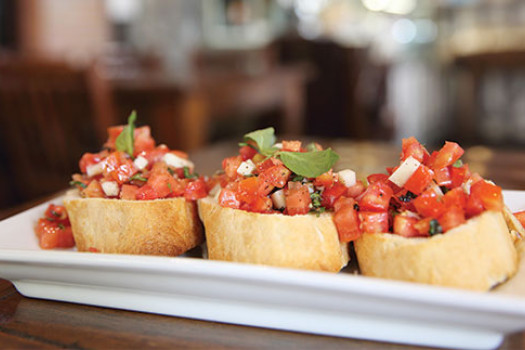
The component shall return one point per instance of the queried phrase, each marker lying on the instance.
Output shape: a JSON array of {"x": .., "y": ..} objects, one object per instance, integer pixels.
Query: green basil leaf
[
  {"x": 188, "y": 174},
  {"x": 264, "y": 138},
  {"x": 77, "y": 183},
  {"x": 458, "y": 164},
  {"x": 125, "y": 141},
  {"x": 139, "y": 177},
  {"x": 309, "y": 164}
]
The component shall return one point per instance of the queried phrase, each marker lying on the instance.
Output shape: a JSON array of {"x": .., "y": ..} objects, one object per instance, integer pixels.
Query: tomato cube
[
  {"x": 447, "y": 155},
  {"x": 452, "y": 217},
  {"x": 297, "y": 198},
  {"x": 404, "y": 225},
  {"x": 411, "y": 147},
  {"x": 442, "y": 177},
  {"x": 331, "y": 194},
  {"x": 376, "y": 197},
  {"x": 247, "y": 152},
  {"x": 419, "y": 180},
  {"x": 486, "y": 194},
  {"x": 373, "y": 222},
  {"x": 228, "y": 198},
  {"x": 195, "y": 190},
  {"x": 429, "y": 204},
  {"x": 347, "y": 222}
]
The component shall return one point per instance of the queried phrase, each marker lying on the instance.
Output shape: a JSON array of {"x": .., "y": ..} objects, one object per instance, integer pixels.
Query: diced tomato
[
  {"x": 247, "y": 189},
  {"x": 143, "y": 140},
  {"x": 54, "y": 235},
  {"x": 423, "y": 226},
  {"x": 261, "y": 204},
  {"x": 452, "y": 217},
  {"x": 411, "y": 147},
  {"x": 195, "y": 190},
  {"x": 331, "y": 194},
  {"x": 93, "y": 190},
  {"x": 484, "y": 196},
  {"x": 91, "y": 159},
  {"x": 459, "y": 175},
  {"x": 376, "y": 197},
  {"x": 230, "y": 166},
  {"x": 455, "y": 197},
  {"x": 404, "y": 225},
  {"x": 447, "y": 155},
  {"x": 155, "y": 155},
  {"x": 297, "y": 198},
  {"x": 128, "y": 192},
  {"x": 325, "y": 180},
  {"x": 266, "y": 164},
  {"x": 373, "y": 222},
  {"x": 56, "y": 213},
  {"x": 442, "y": 177},
  {"x": 404, "y": 200},
  {"x": 520, "y": 215},
  {"x": 356, "y": 190},
  {"x": 228, "y": 198},
  {"x": 119, "y": 167},
  {"x": 276, "y": 176},
  {"x": 346, "y": 220},
  {"x": 428, "y": 204},
  {"x": 419, "y": 180},
  {"x": 247, "y": 152},
  {"x": 291, "y": 146},
  {"x": 146, "y": 192},
  {"x": 377, "y": 178},
  {"x": 161, "y": 180}
]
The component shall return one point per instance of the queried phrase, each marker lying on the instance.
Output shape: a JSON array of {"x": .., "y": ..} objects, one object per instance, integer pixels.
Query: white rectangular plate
[{"x": 341, "y": 304}]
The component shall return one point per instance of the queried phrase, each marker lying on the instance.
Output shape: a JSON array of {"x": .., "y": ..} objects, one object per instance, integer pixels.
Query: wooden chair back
[{"x": 50, "y": 113}]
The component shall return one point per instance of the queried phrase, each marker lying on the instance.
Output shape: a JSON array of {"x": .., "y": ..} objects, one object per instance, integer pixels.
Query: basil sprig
[
  {"x": 309, "y": 164},
  {"x": 264, "y": 140},
  {"x": 126, "y": 140}
]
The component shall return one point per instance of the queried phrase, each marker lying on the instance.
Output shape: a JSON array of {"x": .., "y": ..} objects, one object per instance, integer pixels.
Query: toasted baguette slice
[
  {"x": 303, "y": 241},
  {"x": 153, "y": 227},
  {"x": 476, "y": 255}
]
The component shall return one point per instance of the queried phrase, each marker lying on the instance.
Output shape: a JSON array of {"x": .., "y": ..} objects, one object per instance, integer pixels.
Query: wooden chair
[{"x": 50, "y": 113}]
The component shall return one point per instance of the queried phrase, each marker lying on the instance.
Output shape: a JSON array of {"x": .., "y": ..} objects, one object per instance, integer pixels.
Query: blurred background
[{"x": 204, "y": 72}]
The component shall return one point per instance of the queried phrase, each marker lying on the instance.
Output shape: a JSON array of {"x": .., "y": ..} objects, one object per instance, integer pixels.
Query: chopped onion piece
[
  {"x": 176, "y": 161},
  {"x": 347, "y": 177},
  {"x": 405, "y": 171},
  {"x": 140, "y": 162},
  {"x": 246, "y": 168},
  {"x": 278, "y": 199},
  {"x": 110, "y": 188},
  {"x": 95, "y": 169}
]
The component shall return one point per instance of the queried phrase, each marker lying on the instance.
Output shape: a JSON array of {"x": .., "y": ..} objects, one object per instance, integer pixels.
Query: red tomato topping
[
  {"x": 459, "y": 175},
  {"x": 228, "y": 198},
  {"x": 452, "y": 217},
  {"x": 346, "y": 220},
  {"x": 442, "y": 177},
  {"x": 356, "y": 190},
  {"x": 428, "y": 204},
  {"x": 128, "y": 192},
  {"x": 404, "y": 225},
  {"x": 247, "y": 152},
  {"x": 411, "y": 147},
  {"x": 93, "y": 190},
  {"x": 119, "y": 167},
  {"x": 419, "y": 180},
  {"x": 291, "y": 146},
  {"x": 297, "y": 199},
  {"x": 374, "y": 222},
  {"x": 331, "y": 194},
  {"x": 325, "y": 180},
  {"x": 195, "y": 190},
  {"x": 487, "y": 195},
  {"x": 54, "y": 230},
  {"x": 376, "y": 197},
  {"x": 447, "y": 155},
  {"x": 377, "y": 178},
  {"x": 230, "y": 166},
  {"x": 276, "y": 176},
  {"x": 423, "y": 226}
]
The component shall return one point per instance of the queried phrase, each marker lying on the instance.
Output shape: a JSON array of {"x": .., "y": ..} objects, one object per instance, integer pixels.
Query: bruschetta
[
  {"x": 272, "y": 204},
  {"x": 431, "y": 220},
  {"x": 135, "y": 197}
]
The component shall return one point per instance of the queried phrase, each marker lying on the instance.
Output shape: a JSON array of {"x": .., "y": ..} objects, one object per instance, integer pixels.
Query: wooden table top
[{"x": 34, "y": 323}]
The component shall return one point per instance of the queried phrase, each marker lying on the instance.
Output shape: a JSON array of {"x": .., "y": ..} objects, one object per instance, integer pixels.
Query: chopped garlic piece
[
  {"x": 176, "y": 161},
  {"x": 347, "y": 177},
  {"x": 110, "y": 188},
  {"x": 140, "y": 162},
  {"x": 95, "y": 169},
  {"x": 405, "y": 171},
  {"x": 278, "y": 199},
  {"x": 246, "y": 168}
]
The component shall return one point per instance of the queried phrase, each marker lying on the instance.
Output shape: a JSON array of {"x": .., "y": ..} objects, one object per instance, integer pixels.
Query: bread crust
[
  {"x": 476, "y": 255},
  {"x": 153, "y": 227},
  {"x": 302, "y": 241}
]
